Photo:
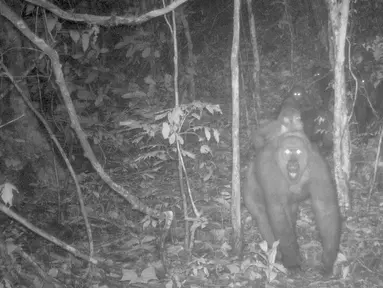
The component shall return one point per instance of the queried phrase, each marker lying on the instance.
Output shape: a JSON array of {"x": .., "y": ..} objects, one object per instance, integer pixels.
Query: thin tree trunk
[
  {"x": 255, "y": 103},
  {"x": 190, "y": 65},
  {"x": 237, "y": 242}
]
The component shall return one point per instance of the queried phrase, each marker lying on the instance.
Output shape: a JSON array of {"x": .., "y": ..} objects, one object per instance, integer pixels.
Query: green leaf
[
  {"x": 129, "y": 275},
  {"x": 216, "y": 135},
  {"x": 146, "y": 52},
  {"x": 172, "y": 138},
  {"x": 188, "y": 154},
  {"x": 85, "y": 37},
  {"x": 207, "y": 133},
  {"x": 165, "y": 130},
  {"x": 205, "y": 149},
  {"x": 91, "y": 77},
  {"x": 75, "y": 35},
  {"x": 149, "y": 274}
]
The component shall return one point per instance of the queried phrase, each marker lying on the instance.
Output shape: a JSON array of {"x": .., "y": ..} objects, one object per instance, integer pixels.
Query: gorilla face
[
  {"x": 292, "y": 166},
  {"x": 297, "y": 92},
  {"x": 292, "y": 158}
]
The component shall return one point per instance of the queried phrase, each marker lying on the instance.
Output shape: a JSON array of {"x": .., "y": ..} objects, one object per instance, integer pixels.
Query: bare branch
[{"x": 106, "y": 20}]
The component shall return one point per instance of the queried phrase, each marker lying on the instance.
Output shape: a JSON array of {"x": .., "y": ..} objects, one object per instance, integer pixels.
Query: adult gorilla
[
  {"x": 296, "y": 98},
  {"x": 285, "y": 172},
  {"x": 317, "y": 122}
]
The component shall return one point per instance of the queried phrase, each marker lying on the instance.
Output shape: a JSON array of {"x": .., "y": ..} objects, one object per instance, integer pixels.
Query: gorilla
[
  {"x": 323, "y": 78},
  {"x": 317, "y": 122},
  {"x": 296, "y": 98},
  {"x": 289, "y": 119},
  {"x": 286, "y": 171}
]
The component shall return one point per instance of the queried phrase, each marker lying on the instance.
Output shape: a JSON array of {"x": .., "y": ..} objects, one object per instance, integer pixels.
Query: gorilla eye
[
  {"x": 288, "y": 151},
  {"x": 299, "y": 152}
]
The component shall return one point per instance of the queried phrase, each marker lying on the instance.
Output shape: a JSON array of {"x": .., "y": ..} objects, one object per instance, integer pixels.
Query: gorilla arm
[
  {"x": 255, "y": 203},
  {"x": 324, "y": 203}
]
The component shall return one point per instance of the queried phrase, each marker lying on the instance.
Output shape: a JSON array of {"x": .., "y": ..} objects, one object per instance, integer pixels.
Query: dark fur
[
  {"x": 272, "y": 197},
  {"x": 288, "y": 120},
  {"x": 296, "y": 99}
]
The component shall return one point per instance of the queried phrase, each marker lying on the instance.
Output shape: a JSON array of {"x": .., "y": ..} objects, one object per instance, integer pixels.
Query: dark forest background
[{"x": 118, "y": 69}]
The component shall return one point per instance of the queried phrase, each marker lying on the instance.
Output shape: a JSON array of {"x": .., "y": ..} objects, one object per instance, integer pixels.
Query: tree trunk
[
  {"x": 338, "y": 17},
  {"x": 237, "y": 242},
  {"x": 254, "y": 104}
]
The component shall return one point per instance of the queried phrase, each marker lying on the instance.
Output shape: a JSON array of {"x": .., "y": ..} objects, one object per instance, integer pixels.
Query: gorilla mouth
[
  {"x": 293, "y": 175},
  {"x": 293, "y": 170}
]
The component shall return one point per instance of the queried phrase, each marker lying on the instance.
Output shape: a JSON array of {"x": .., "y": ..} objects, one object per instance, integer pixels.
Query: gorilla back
[{"x": 285, "y": 172}]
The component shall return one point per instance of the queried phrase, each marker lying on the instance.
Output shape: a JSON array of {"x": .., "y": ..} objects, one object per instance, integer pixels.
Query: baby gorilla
[{"x": 289, "y": 120}]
